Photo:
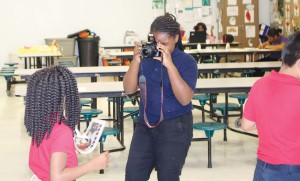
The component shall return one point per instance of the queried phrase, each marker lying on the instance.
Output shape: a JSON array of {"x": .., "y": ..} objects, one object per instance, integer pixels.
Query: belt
[{"x": 279, "y": 167}]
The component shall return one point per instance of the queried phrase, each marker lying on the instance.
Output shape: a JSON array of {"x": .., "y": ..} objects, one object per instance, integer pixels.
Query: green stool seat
[
  {"x": 87, "y": 115},
  {"x": 221, "y": 107},
  {"x": 125, "y": 99},
  {"x": 111, "y": 99},
  {"x": 8, "y": 70},
  {"x": 210, "y": 60},
  {"x": 202, "y": 98},
  {"x": 11, "y": 64},
  {"x": 107, "y": 131},
  {"x": 131, "y": 110},
  {"x": 6, "y": 75},
  {"x": 85, "y": 101},
  {"x": 209, "y": 128},
  {"x": 241, "y": 97},
  {"x": 248, "y": 73}
]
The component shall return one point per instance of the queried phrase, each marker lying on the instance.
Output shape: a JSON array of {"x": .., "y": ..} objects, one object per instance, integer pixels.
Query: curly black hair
[
  {"x": 51, "y": 92},
  {"x": 167, "y": 24}
]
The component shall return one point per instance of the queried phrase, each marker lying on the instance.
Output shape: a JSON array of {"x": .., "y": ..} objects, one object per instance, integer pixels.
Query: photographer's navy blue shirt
[{"x": 151, "y": 69}]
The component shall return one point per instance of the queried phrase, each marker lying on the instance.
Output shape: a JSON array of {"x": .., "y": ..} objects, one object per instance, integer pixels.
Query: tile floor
[{"x": 233, "y": 160}]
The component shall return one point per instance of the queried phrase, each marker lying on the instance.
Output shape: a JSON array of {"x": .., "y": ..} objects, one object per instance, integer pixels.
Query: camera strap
[{"x": 143, "y": 95}]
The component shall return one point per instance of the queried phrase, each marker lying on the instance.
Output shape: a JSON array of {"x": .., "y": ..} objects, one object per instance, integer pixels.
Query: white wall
[
  {"x": 264, "y": 12},
  {"x": 29, "y": 22}
]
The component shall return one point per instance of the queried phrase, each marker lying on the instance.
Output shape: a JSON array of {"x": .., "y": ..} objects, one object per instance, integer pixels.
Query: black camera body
[{"x": 149, "y": 48}]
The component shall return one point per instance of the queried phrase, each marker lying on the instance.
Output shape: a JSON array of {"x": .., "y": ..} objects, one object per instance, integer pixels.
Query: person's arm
[
  {"x": 248, "y": 125},
  {"x": 59, "y": 172},
  {"x": 276, "y": 47},
  {"x": 263, "y": 45},
  {"x": 181, "y": 89},
  {"x": 130, "y": 80}
]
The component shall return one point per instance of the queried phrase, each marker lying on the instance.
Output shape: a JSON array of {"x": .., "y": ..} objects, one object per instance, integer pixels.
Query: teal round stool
[
  {"x": 107, "y": 131},
  {"x": 209, "y": 128},
  {"x": 130, "y": 110},
  {"x": 202, "y": 98},
  {"x": 9, "y": 79},
  {"x": 11, "y": 64},
  {"x": 241, "y": 99},
  {"x": 111, "y": 99},
  {"x": 221, "y": 107},
  {"x": 87, "y": 115},
  {"x": 85, "y": 102},
  {"x": 209, "y": 60},
  {"x": 248, "y": 73}
]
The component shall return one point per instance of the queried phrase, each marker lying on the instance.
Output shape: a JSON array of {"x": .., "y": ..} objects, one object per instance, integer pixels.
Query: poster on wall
[
  {"x": 250, "y": 31},
  {"x": 232, "y": 2},
  {"x": 249, "y": 14},
  {"x": 287, "y": 11},
  {"x": 205, "y": 2},
  {"x": 158, "y": 7},
  {"x": 296, "y": 7},
  {"x": 232, "y": 11},
  {"x": 233, "y": 30}
]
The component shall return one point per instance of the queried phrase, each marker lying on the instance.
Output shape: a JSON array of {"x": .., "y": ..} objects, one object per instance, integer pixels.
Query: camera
[{"x": 149, "y": 48}]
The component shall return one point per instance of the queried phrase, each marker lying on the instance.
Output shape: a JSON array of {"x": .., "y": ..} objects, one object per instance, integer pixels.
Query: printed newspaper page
[{"x": 88, "y": 141}]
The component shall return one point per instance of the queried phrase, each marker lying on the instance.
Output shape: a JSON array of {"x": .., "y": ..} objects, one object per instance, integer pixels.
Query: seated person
[
  {"x": 201, "y": 27},
  {"x": 275, "y": 41}
]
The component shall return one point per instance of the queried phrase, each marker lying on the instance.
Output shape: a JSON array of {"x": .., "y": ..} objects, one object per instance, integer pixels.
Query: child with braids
[
  {"x": 167, "y": 84},
  {"x": 51, "y": 114}
]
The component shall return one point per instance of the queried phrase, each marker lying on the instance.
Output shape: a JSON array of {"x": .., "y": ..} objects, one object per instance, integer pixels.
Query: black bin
[{"x": 88, "y": 51}]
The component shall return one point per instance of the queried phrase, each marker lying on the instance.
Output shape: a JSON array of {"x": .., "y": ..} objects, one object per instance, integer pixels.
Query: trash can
[{"x": 88, "y": 49}]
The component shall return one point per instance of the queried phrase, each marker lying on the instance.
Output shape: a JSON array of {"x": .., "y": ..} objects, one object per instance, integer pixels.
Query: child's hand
[{"x": 100, "y": 162}]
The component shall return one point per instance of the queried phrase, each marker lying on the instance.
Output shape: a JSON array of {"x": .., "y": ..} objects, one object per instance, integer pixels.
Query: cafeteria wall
[{"x": 29, "y": 22}]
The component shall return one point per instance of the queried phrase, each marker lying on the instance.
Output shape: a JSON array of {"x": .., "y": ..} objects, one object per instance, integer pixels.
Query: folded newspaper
[{"x": 88, "y": 141}]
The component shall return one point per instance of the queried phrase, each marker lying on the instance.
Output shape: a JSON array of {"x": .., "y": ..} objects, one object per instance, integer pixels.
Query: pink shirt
[
  {"x": 60, "y": 140},
  {"x": 274, "y": 104}
]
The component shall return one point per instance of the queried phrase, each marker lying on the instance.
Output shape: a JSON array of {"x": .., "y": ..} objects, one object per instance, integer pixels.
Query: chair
[
  {"x": 107, "y": 131},
  {"x": 111, "y": 99},
  {"x": 208, "y": 128},
  {"x": 133, "y": 112},
  {"x": 87, "y": 115},
  {"x": 221, "y": 107},
  {"x": 241, "y": 99},
  {"x": 202, "y": 98}
]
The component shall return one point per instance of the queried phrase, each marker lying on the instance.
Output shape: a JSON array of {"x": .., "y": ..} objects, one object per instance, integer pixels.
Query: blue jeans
[
  {"x": 163, "y": 148},
  {"x": 269, "y": 172}
]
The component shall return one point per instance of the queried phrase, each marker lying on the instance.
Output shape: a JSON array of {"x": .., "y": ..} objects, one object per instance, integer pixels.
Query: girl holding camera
[{"x": 167, "y": 84}]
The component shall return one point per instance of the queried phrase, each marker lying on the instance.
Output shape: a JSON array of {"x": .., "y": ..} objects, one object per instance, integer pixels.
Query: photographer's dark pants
[{"x": 163, "y": 148}]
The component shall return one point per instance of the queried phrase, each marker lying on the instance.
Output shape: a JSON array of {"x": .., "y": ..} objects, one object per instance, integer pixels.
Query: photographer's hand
[
  {"x": 137, "y": 52},
  {"x": 166, "y": 55},
  {"x": 130, "y": 83}
]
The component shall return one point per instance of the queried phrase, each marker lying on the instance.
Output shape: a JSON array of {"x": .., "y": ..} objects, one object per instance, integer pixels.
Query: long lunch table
[
  {"x": 227, "y": 85},
  {"x": 185, "y": 45},
  {"x": 214, "y": 52},
  {"x": 121, "y": 70},
  {"x": 37, "y": 58},
  {"x": 115, "y": 89}
]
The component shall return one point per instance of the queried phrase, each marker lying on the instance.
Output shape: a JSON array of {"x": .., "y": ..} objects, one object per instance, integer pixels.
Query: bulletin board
[
  {"x": 285, "y": 15},
  {"x": 240, "y": 19},
  {"x": 190, "y": 12}
]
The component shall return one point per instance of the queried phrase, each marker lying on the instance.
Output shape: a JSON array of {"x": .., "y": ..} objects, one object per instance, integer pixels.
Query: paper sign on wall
[
  {"x": 233, "y": 30},
  {"x": 250, "y": 31},
  {"x": 232, "y": 11}
]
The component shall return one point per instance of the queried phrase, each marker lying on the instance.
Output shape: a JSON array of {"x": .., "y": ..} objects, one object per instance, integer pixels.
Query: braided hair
[
  {"x": 167, "y": 24},
  {"x": 51, "y": 92}
]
